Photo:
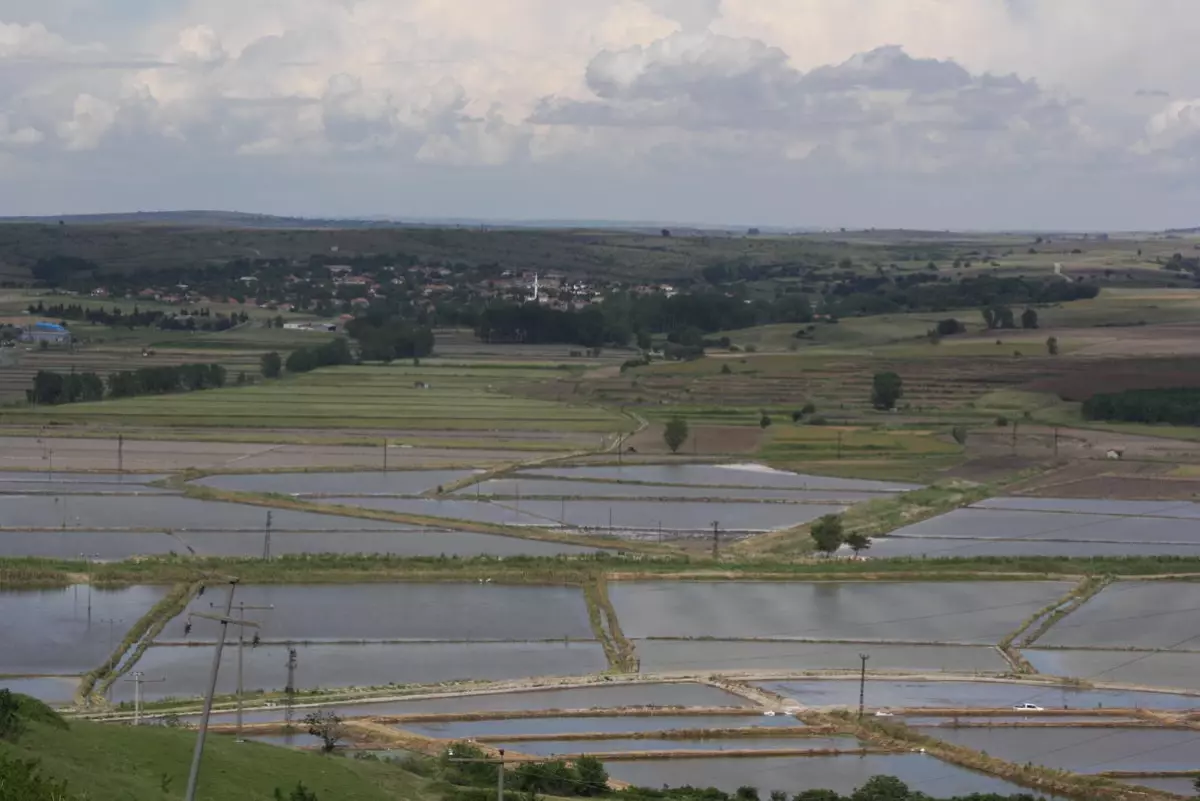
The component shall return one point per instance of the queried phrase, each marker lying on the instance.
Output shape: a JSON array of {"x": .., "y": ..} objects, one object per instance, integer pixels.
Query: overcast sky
[{"x": 919, "y": 113}]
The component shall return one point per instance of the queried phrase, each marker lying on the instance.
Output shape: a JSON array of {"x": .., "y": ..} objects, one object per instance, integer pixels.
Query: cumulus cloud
[{"x": 911, "y": 88}]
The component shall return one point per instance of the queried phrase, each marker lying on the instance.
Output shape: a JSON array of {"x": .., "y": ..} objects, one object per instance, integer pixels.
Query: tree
[
  {"x": 882, "y": 788},
  {"x": 960, "y": 435},
  {"x": 827, "y": 534},
  {"x": 593, "y": 778},
  {"x": 858, "y": 542},
  {"x": 299, "y": 793},
  {"x": 886, "y": 389},
  {"x": 328, "y": 726},
  {"x": 12, "y": 725},
  {"x": 675, "y": 433},
  {"x": 1052, "y": 346},
  {"x": 950, "y": 327},
  {"x": 1029, "y": 318},
  {"x": 272, "y": 365},
  {"x": 764, "y": 421},
  {"x": 279, "y": 321}
]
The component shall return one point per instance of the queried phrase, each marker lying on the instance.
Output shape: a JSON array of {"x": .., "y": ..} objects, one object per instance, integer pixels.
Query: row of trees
[
  {"x": 305, "y": 360},
  {"x": 51, "y": 388},
  {"x": 1174, "y": 406},
  {"x": 1002, "y": 317},
  {"x": 198, "y": 320},
  {"x": 385, "y": 338}
]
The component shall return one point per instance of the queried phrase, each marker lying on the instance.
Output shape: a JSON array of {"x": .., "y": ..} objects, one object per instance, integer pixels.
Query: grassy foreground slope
[{"x": 121, "y": 763}]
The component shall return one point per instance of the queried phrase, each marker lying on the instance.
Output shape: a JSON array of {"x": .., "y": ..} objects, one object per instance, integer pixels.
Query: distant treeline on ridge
[{"x": 51, "y": 388}]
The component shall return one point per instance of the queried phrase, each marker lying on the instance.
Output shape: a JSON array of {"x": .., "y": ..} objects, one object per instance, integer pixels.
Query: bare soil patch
[{"x": 33, "y": 453}]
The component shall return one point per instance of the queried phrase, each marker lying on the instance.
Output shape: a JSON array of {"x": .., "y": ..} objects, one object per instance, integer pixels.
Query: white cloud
[
  {"x": 90, "y": 120},
  {"x": 634, "y": 89}
]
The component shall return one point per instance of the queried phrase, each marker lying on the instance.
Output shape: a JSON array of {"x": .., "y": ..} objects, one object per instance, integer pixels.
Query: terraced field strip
[{"x": 468, "y": 399}]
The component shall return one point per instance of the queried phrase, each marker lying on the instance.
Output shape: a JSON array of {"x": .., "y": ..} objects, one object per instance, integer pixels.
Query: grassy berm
[{"x": 122, "y": 763}]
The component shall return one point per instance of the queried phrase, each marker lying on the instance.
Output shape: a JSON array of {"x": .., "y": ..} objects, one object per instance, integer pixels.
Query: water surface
[
  {"x": 1156, "y": 669},
  {"x": 442, "y": 611},
  {"x": 393, "y": 482},
  {"x": 1086, "y": 750},
  {"x": 1134, "y": 614},
  {"x": 966, "y": 612},
  {"x": 51, "y": 631},
  {"x": 623, "y": 724},
  {"x": 186, "y": 669},
  {"x": 794, "y": 775},
  {"x": 551, "y": 748},
  {"x": 968, "y": 694},
  {"x": 683, "y": 655},
  {"x": 728, "y": 475}
]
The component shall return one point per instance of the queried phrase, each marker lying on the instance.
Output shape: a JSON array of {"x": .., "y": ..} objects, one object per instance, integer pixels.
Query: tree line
[
  {"x": 198, "y": 320},
  {"x": 52, "y": 388},
  {"x": 1175, "y": 406}
]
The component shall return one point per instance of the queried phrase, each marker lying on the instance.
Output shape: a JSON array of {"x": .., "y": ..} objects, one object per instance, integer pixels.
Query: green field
[
  {"x": 458, "y": 399},
  {"x": 122, "y": 763}
]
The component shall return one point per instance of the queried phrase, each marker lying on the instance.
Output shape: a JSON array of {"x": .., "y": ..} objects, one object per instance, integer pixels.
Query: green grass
[
  {"x": 459, "y": 399},
  {"x": 122, "y": 763}
]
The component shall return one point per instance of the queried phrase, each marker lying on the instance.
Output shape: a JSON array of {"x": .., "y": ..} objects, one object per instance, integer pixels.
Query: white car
[
  {"x": 1027, "y": 707},
  {"x": 883, "y": 713}
]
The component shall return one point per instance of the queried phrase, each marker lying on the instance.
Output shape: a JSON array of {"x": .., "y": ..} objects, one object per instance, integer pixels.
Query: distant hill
[{"x": 198, "y": 219}]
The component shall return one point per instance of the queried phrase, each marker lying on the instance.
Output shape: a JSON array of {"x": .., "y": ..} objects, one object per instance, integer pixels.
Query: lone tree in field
[
  {"x": 1052, "y": 346},
  {"x": 1029, "y": 319},
  {"x": 272, "y": 365},
  {"x": 858, "y": 542},
  {"x": 328, "y": 726},
  {"x": 827, "y": 534},
  {"x": 960, "y": 435},
  {"x": 675, "y": 433},
  {"x": 886, "y": 389}
]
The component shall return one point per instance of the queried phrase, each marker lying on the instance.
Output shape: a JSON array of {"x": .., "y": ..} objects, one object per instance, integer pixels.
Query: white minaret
[{"x": 536, "y": 297}]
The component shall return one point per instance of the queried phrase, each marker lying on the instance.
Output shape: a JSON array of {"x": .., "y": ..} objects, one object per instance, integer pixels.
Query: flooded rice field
[
  {"x": 732, "y": 656},
  {"x": 1182, "y": 785},
  {"x": 624, "y": 516},
  {"x": 623, "y": 724},
  {"x": 1009, "y": 524},
  {"x": 549, "y": 488},
  {"x": 552, "y": 748},
  {"x": 373, "y": 665},
  {"x": 881, "y": 693},
  {"x": 1133, "y": 614},
  {"x": 446, "y": 612},
  {"x": 393, "y": 482},
  {"x": 1154, "y": 669},
  {"x": 54, "y": 690},
  {"x": 89, "y": 512},
  {"x": 1176, "y": 509},
  {"x": 120, "y": 545},
  {"x": 842, "y": 774},
  {"x": 966, "y": 612},
  {"x": 675, "y": 516},
  {"x": 600, "y": 696},
  {"x": 747, "y": 475},
  {"x": 1086, "y": 750},
  {"x": 53, "y": 631},
  {"x": 963, "y": 548}
]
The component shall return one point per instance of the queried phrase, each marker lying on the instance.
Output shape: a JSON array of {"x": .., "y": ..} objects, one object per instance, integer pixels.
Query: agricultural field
[{"x": 394, "y": 398}]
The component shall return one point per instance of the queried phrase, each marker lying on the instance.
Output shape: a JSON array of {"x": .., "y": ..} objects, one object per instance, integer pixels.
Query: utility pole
[
  {"x": 120, "y": 457},
  {"x": 139, "y": 678},
  {"x": 241, "y": 620},
  {"x": 1014, "y": 436},
  {"x": 716, "y": 541},
  {"x": 1056, "y": 442},
  {"x": 267, "y": 539},
  {"x": 385, "y": 450},
  {"x": 498, "y": 761},
  {"x": 862, "y": 684},
  {"x": 224, "y": 620},
  {"x": 87, "y": 558},
  {"x": 289, "y": 699},
  {"x": 839, "y": 445}
]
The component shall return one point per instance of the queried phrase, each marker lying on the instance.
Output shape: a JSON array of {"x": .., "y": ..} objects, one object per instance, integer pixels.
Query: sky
[{"x": 936, "y": 114}]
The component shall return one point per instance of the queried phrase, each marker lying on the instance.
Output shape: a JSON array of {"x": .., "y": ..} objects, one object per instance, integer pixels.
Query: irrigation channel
[{"x": 779, "y": 684}]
